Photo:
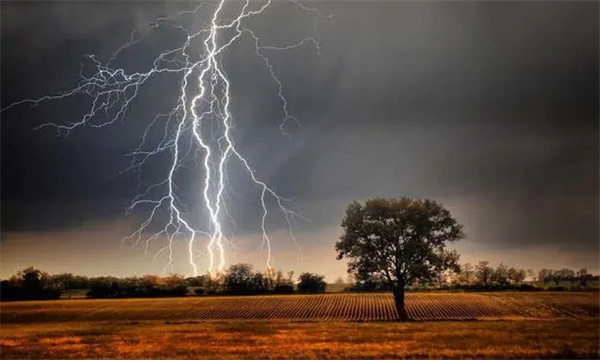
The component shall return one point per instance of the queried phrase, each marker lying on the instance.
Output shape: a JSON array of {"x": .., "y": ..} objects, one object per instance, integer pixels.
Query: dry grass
[
  {"x": 305, "y": 340},
  {"x": 304, "y": 327}
]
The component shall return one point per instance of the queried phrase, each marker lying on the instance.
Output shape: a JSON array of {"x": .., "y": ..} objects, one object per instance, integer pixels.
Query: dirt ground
[{"x": 529, "y": 326}]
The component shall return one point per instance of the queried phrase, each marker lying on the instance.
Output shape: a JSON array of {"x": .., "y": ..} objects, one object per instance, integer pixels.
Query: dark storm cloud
[
  {"x": 497, "y": 100},
  {"x": 489, "y": 105}
]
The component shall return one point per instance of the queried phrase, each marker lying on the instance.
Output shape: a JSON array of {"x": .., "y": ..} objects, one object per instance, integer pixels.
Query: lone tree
[{"x": 403, "y": 240}]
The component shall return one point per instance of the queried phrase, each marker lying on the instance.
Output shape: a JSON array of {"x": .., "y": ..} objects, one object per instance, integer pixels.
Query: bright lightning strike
[{"x": 200, "y": 123}]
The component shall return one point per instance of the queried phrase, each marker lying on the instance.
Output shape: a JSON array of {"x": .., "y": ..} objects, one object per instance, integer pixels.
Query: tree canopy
[
  {"x": 403, "y": 240},
  {"x": 310, "y": 283}
]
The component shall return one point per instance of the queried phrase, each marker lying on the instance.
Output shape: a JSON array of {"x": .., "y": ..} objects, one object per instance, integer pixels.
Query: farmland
[
  {"x": 525, "y": 325},
  {"x": 345, "y": 307}
]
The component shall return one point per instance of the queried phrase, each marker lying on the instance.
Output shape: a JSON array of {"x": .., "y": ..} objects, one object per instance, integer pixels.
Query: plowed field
[{"x": 338, "y": 307}]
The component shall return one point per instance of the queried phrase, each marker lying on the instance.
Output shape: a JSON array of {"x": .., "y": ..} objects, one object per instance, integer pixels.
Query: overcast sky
[{"x": 489, "y": 107}]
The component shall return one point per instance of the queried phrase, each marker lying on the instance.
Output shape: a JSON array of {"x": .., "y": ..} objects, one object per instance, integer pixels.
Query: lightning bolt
[{"x": 198, "y": 128}]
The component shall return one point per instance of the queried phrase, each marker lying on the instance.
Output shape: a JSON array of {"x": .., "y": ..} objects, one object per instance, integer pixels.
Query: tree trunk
[{"x": 399, "y": 302}]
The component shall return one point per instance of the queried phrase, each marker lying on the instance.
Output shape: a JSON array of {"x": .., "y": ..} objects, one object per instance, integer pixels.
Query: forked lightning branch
[{"x": 197, "y": 128}]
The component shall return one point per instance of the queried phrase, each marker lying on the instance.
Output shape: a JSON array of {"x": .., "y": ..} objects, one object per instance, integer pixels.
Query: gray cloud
[{"x": 490, "y": 106}]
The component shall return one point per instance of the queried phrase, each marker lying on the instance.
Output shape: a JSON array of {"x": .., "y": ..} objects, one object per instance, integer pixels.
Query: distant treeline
[
  {"x": 28, "y": 284},
  {"x": 482, "y": 276},
  {"x": 240, "y": 279}
]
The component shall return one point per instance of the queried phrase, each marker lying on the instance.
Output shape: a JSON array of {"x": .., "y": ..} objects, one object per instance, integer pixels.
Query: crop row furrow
[{"x": 333, "y": 307}]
